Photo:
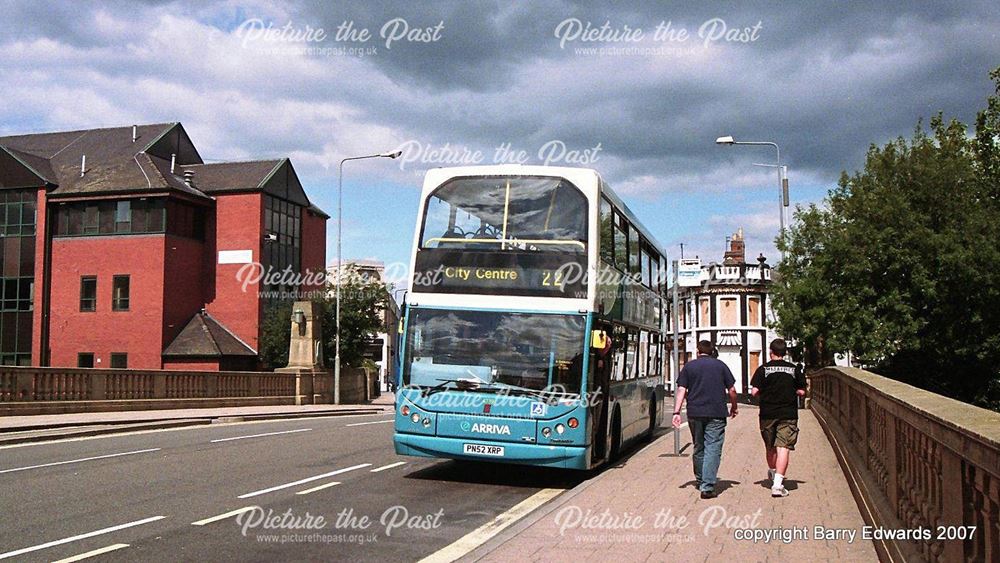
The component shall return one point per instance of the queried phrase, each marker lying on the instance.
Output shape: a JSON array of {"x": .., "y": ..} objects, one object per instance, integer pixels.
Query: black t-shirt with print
[{"x": 777, "y": 381}]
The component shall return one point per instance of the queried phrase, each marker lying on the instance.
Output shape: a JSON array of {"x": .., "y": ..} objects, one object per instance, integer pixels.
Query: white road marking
[
  {"x": 78, "y": 460},
  {"x": 192, "y": 427},
  {"x": 390, "y": 466},
  {"x": 80, "y": 537},
  {"x": 375, "y": 422},
  {"x": 319, "y": 488},
  {"x": 482, "y": 534},
  {"x": 261, "y": 435},
  {"x": 304, "y": 481},
  {"x": 229, "y": 514},
  {"x": 94, "y": 553}
]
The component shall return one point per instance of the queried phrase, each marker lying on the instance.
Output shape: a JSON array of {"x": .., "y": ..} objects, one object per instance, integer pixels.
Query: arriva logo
[{"x": 491, "y": 428}]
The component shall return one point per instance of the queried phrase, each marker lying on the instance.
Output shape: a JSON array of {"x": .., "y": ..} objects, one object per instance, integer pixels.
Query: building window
[
  {"x": 110, "y": 217},
  {"x": 753, "y": 303},
  {"x": 17, "y": 271},
  {"x": 119, "y": 293},
  {"x": 119, "y": 360},
  {"x": 283, "y": 228},
  {"x": 728, "y": 312},
  {"x": 85, "y": 360},
  {"x": 123, "y": 217},
  {"x": 88, "y": 293}
]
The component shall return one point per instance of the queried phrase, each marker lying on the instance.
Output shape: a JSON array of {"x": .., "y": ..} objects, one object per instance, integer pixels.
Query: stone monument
[{"x": 305, "y": 355}]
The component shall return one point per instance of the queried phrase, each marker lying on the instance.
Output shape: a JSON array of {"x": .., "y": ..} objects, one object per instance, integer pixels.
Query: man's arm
[
  {"x": 678, "y": 402},
  {"x": 732, "y": 402},
  {"x": 800, "y": 382}
]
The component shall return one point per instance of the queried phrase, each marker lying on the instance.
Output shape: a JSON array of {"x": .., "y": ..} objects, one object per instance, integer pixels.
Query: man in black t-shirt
[{"x": 778, "y": 384}]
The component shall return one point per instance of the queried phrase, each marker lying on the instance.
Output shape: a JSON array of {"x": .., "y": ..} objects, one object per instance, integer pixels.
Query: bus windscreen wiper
[{"x": 460, "y": 384}]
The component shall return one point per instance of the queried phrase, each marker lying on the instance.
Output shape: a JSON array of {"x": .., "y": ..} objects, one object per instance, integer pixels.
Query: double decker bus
[{"x": 534, "y": 326}]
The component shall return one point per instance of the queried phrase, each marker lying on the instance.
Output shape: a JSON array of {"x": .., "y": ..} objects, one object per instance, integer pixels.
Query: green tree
[
  {"x": 361, "y": 305},
  {"x": 898, "y": 266},
  {"x": 275, "y": 334}
]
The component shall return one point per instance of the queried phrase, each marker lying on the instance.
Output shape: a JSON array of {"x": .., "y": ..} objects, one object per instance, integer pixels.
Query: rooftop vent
[
  {"x": 189, "y": 177},
  {"x": 135, "y": 133}
]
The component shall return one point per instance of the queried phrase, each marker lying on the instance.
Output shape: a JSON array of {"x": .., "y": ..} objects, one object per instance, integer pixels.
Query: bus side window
[
  {"x": 619, "y": 349},
  {"x": 607, "y": 232},
  {"x": 621, "y": 244}
]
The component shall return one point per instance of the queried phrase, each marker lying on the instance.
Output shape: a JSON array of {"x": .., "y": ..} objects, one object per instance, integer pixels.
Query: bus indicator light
[
  {"x": 405, "y": 411},
  {"x": 573, "y": 423}
]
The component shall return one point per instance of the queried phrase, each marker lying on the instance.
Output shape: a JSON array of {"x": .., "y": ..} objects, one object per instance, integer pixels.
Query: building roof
[
  {"x": 232, "y": 176},
  {"x": 205, "y": 337},
  {"x": 138, "y": 159},
  {"x": 116, "y": 162}
]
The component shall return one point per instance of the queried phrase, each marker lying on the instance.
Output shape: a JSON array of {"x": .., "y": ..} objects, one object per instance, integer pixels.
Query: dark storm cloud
[{"x": 822, "y": 80}]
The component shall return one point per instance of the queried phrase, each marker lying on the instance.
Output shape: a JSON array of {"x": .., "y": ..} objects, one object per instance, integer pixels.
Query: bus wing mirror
[{"x": 598, "y": 339}]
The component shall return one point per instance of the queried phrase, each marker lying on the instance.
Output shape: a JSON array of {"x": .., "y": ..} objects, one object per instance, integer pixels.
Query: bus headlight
[
  {"x": 427, "y": 423},
  {"x": 560, "y": 428},
  {"x": 573, "y": 423},
  {"x": 546, "y": 432},
  {"x": 415, "y": 418}
]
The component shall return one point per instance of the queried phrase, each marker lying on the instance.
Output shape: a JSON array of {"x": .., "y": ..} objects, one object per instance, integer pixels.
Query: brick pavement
[{"x": 653, "y": 481}]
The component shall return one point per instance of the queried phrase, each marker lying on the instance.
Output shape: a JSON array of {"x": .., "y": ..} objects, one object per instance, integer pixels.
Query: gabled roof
[
  {"x": 115, "y": 163},
  {"x": 118, "y": 164},
  {"x": 232, "y": 176},
  {"x": 37, "y": 165},
  {"x": 274, "y": 177},
  {"x": 205, "y": 337}
]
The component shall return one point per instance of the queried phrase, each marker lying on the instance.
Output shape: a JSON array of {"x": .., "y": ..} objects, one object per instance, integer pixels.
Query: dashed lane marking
[
  {"x": 78, "y": 460},
  {"x": 304, "y": 481},
  {"x": 229, "y": 514},
  {"x": 94, "y": 553},
  {"x": 102, "y": 531}
]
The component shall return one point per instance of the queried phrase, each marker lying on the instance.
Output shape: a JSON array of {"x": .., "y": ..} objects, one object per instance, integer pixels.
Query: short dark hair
[
  {"x": 705, "y": 347},
  {"x": 779, "y": 347}
]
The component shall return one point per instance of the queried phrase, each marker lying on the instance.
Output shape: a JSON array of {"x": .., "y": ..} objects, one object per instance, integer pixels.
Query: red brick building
[{"x": 121, "y": 247}]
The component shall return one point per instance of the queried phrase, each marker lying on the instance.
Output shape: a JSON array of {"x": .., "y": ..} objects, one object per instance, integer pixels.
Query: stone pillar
[
  {"x": 305, "y": 352},
  {"x": 305, "y": 349}
]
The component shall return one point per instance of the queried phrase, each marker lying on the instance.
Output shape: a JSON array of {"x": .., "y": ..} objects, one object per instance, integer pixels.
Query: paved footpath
[{"x": 614, "y": 516}]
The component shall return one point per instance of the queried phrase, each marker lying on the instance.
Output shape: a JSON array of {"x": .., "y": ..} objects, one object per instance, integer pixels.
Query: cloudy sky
[{"x": 640, "y": 93}]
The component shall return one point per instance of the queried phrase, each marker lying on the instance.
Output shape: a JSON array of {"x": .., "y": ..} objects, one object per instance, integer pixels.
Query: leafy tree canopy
[{"x": 901, "y": 265}]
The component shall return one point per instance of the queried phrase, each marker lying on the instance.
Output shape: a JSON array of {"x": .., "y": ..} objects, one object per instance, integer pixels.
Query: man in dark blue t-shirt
[{"x": 705, "y": 382}]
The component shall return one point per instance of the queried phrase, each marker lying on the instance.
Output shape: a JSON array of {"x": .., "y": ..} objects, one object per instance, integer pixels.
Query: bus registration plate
[{"x": 482, "y": 449}]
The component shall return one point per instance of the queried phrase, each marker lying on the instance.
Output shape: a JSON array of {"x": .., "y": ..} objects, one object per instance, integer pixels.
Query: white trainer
[{"x": 779, "y": 492}]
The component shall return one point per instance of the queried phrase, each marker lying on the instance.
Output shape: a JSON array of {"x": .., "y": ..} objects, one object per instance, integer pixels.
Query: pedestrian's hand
[
  {"x": 676, "y": 421},
  {"x": 732, "y": 411}
]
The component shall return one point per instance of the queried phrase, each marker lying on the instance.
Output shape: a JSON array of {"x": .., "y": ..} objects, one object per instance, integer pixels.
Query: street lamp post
[
  {"x": 728, "y": 140},
  {"x": 340, "y": 223}
]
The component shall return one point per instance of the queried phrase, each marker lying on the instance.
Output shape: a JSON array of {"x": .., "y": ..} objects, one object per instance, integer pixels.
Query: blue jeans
[{"x": 707, "y": 434}]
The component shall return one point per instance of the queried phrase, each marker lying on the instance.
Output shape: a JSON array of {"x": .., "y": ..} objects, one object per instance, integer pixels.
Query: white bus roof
[{"x": 437, "y": 176}]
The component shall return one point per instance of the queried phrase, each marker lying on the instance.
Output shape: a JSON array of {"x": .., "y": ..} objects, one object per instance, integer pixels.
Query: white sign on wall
[
  {"x": 689, "y": 272},
  {"x": 235, "y": 256}
]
